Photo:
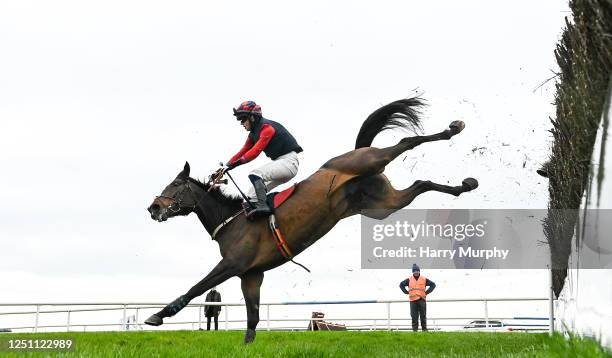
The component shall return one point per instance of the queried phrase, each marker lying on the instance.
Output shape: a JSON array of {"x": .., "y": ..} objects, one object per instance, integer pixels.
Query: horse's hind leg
[
  {"x": 223, "y": 271},
  {"x": 251, "y": 283},
  {"x": 379, "y": 199},
  {"x": 370, "y": 160},
  {"x": 408, "y": 143}
]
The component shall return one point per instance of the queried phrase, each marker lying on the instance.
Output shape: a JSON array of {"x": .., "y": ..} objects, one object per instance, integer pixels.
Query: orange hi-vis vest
[{"x": 416, "y": 288}]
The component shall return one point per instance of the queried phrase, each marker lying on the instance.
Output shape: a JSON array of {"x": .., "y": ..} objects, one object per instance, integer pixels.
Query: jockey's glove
[{"x": 234, "y": 164}]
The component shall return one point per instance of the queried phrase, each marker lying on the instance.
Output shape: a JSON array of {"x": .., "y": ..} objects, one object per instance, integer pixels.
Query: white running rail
[{"x": 29, "y": 315}]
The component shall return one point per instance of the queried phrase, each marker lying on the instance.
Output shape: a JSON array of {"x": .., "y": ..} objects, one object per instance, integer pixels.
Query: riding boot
[{"x": 261, "y": 207}]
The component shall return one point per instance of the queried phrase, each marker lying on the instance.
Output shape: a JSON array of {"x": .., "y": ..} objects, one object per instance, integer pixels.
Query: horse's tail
[{"x": 403, "y": 114}]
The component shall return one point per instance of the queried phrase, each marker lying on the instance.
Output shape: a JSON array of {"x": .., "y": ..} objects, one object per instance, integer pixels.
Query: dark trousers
[
  {"x": 216, "y": 323},
  {"x": 418, "y": 309}
]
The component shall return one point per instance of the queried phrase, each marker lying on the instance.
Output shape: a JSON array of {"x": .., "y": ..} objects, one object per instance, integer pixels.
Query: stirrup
[{"x": 258, "y": 212}]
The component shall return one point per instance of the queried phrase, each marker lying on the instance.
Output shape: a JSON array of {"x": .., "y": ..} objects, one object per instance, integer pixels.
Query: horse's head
[{"x": 177, "y": 199}]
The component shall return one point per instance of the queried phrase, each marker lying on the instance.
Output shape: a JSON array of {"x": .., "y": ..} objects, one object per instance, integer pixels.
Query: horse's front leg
[
  {"x": 251, "y": 283},
  {"x": 223, "y": 271}
]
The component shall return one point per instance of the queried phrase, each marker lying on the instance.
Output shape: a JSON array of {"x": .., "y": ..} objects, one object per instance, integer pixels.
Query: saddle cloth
[{"x": 276, "y": 199}]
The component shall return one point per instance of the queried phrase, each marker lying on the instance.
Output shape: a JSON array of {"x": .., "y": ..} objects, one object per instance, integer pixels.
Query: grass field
[{"x": 316, "y": 344}]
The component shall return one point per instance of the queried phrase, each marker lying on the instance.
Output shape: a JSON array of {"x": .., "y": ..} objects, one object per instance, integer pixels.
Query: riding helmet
[{"x": 247, "y": 107}]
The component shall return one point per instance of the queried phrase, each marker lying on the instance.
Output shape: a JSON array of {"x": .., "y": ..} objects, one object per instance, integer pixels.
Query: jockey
[{"x": 276, "y": 142}]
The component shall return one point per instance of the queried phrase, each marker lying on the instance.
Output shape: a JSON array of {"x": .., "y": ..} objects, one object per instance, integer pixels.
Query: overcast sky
[{"x": 102, "y": 103}]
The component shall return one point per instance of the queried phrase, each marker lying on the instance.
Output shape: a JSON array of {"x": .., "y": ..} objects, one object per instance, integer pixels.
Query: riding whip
[{"x": 236, "y": 185}]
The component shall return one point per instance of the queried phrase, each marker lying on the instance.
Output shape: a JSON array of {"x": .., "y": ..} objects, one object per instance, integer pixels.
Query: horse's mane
[{"x": 217, "y": 194}]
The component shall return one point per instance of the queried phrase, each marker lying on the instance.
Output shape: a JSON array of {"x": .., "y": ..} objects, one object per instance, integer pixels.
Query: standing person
[
  {"x": 276, "y": 142},
  {"x": 416, "y": 294},
  {"x": 212, "y": 311}
]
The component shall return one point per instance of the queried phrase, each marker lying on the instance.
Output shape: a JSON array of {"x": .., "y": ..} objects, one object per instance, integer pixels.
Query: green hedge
[{"x": 584, "y": 56}]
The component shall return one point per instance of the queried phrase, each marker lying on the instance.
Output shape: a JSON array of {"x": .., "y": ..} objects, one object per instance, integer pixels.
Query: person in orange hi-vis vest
[{"x": 417, "y": 295}]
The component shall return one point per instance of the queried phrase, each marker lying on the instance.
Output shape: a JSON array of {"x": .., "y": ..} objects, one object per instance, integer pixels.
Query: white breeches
[{"x": 277, "y": 172}]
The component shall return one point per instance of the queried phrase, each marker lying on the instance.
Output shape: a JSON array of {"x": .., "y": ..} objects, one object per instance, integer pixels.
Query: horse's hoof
[
  {"x": 470, "y": 184},
  {"x": 249, "y": 337},
  {"x": 154, "y": 320},
  {"x": 456, "y": 126}
]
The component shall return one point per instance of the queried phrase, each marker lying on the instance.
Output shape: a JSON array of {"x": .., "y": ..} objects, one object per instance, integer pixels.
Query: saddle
[{"x": 275, "y": 199}]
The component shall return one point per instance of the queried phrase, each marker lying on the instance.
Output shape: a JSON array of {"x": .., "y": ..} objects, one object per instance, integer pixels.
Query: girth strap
[{"x": 281, "y": 243}]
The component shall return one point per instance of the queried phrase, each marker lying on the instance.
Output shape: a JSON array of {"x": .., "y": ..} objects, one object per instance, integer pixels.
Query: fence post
[
  {"x": 36, "y": 319},
  {"x": 268, "y": 315},
  {"x": 486, "y": 307},
  {"x": 200, "y": 318},
  {"x": 226, "y": 327},
  {"x": 388, "y": 316},
  {"x": 68, "y": 322},
  {"x": 137, "y": 326},
  {"x": 125, "y": 317},
  {"x": 551, "y": 307}
]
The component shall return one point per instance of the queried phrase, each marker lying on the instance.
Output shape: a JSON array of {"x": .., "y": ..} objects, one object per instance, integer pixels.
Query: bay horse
[{"x": 349, "y": 184}]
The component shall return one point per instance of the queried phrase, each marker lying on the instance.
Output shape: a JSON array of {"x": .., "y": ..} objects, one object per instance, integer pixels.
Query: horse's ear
[{"x": 186, "y": 170}]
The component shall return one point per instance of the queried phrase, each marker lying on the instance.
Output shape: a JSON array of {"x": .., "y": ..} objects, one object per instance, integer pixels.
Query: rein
[{"x": 216, "y": 178}]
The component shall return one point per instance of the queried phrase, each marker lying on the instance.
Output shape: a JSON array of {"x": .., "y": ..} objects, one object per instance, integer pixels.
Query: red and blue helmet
[{"x": 246, "y": 108}]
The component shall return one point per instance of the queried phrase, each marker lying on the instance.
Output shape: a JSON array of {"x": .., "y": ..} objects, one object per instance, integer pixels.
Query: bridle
[
  {"x": 177, "y": 200},
  {"x": 214, "y": 179}
]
